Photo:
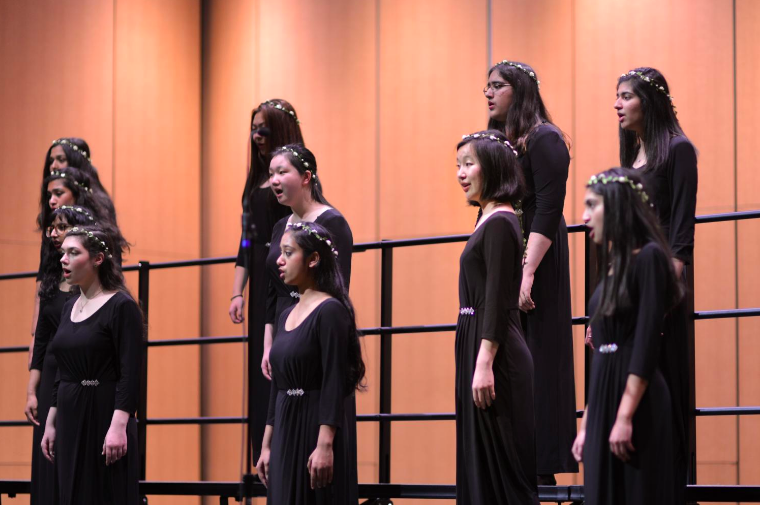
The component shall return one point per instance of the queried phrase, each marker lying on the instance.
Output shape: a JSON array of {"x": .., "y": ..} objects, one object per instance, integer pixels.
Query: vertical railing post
[
  {"x": 691, "y": 430},
  {"x": 590, "y": 275},
  {"x": 386, "y": 355},
  {"x": 143, "y": 292}
]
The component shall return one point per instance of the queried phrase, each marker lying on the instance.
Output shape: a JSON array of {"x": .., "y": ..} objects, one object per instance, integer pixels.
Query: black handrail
[{"x": 386, "y": 330}]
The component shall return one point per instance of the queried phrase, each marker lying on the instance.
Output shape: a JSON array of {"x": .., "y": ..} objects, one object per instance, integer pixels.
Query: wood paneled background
[{"x": 162, "y": 91}]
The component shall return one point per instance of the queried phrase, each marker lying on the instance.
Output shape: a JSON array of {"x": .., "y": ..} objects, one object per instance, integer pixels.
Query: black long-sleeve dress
[
  {"x": 43, "y": 471},
  {"x": 548, "y": 327},
  {"x": 496, "y": 460},
  {"x": 264, "y": 214},
  {"x": 98, "y": 372},
  {"x": 673, "y": 192},
  {"x": 310, "y": 388},
  {"x": 629, "y": 342}
]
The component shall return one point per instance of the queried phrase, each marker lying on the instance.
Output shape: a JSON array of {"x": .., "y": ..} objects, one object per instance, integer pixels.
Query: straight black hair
[{"x": 503, "y": 179}]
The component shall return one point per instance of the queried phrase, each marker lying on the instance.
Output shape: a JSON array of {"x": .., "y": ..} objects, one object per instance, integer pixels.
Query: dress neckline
[
  {"x": 484, "y": 221},
  {"x": 91, "y": 315},
  {"x": 305, "y": 318}
]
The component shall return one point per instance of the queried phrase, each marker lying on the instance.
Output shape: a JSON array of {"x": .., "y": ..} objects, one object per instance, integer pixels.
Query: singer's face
[
  {"x": 256, "y": 126},
  {"x": 293, "y": 269},
  {"x": 285, "y": 180},
  {"x": 628, "y": 107},
  {"x": 499, "y": 99}
]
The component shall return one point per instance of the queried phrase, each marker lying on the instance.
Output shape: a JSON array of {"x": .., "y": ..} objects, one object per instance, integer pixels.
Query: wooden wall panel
[
  {"x": 748, "y": 269},
  {"x": 230, "y": 92},
  {"x": 432, "y": 70},
  {"x": 157, "y": 178}
]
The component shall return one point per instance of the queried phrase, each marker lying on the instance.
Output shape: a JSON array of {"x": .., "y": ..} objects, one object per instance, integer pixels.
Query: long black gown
[
  {"x": 43, "y": 482},
  {"x": 264, "y": 214},
  {"x": 635, "y": 337},
  {"x": 107, "y": 348},
  {"x": 310, "y": 388},
  {"x": 496, "y": 460},
  {"x": 673, "y": 192},
  {"x": 548, "y": 327}
]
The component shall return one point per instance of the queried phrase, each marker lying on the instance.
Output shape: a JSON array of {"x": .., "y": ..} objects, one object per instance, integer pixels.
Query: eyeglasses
[
  {"x": 495, "y": 86},
  {"x": 61, "y": 228}
]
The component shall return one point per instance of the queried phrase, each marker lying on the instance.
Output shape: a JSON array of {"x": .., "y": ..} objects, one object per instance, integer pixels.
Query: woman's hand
[
  {"x": 31, "y": 409},
  {"x": 526, "y": 302},
  {"x": 589, "y": 342},
  {"x": 236, "y": 310},
  {"x": 115, "y": 444},
  {"x": 621, "y": 438},
  {"x": 262, "y": 467},
  {"x": 266, "y": 367},
  {"x": 48, "y": 443},
  {"x": 483, "y": 391},
  {"x": 320, "y": 466},
  {"x": 580, "y": 441}
]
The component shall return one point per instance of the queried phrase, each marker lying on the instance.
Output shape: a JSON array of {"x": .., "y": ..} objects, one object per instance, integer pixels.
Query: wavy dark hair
[
  {"x": 304, "y": 162},
  {"x": 503, "y": 179},
  {"x": 51, "y": 271},
  {"x": 329, "y": 280},
  {"x": 629, "y": 224},
  {"x": 660, "y": 120},
  {"x": 76, "y": 181},
  {"x": 74, "y": 159},
  {"x": 527, "y": 109},
  {"x": 283, "y": 129},
  {"x": 109, "y": 272}
]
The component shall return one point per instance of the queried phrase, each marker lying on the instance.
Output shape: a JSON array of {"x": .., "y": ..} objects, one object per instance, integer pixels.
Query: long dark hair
[
  {"x": 283, "y": 129},
  {"x": 329, "y": 280},
  {"x": 660, "y": 120},
  {"x": 527, "y": 109},
  {"x": 304, "y": 162},
  {"x": 51, "y": 270},
  {"x": 503, "y": 179},
  {"x": 109, "y": 272},
  {"x": 629, "y": 224},
  {"x": 78, "y": 156}
]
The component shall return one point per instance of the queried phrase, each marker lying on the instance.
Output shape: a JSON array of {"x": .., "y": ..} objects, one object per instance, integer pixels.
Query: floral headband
[
  {"x": 297, "y": 155},
  {"x": 73, "y": 146},
  {"x": 283, "y": 109},
  {"x": 78, "y": 209},
  {"x": 518, "y": 66},
  {"x": 77, "y": 230},
  {"x": 62, "y": 175},
  {"x": 622, "y": 179},
  {"x": 490, "y": 137},
  {"x": 310, "y": 231},
  {"x": 653, "y": 83}
]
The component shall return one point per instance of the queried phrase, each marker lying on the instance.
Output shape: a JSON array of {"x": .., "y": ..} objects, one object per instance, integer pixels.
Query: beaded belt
[
  {"x": 608, "y": 348},
  {"x": 466, "y": 311},
  {"x": 295, "y": 392},
  {"x": 90, "y": 383}
]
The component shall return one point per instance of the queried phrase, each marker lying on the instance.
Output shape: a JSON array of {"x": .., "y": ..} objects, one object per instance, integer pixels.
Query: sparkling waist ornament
[
  {"x": 90, "y": 383},
  {"x": 295, "y": 392},
  {"x": 466, "y": 311},
  {"x": 608, "y": 348}
]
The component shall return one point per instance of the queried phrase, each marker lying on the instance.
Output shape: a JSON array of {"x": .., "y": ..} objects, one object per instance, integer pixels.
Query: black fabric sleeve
[
  {"x": 240, "y": 260},
  {"x": 333, "y": 342},
  {"x": 343, "y": 241},
  {"x": 550, "y": 163},
  {"x": 271, "y": 309},
  {"x": 683, "y": 200},
  {"x": 54, "y": 394},
  {"x": 127, "y": 332},
  {"x": 651, "y": 271},
  {"x": 42, "y": 335},
  {"x": 500, "y": 247},
  {"x": 273, "y": 389}
]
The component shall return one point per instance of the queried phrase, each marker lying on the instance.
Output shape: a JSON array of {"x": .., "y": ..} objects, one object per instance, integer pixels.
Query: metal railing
[{"x": 384, "y": 490}]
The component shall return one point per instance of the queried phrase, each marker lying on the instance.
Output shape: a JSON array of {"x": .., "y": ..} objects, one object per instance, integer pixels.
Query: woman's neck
[
  {"x": 492, "y": 206},
  {"x": 303, "y": 208},
  {"x": 91, "y": 288}
]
